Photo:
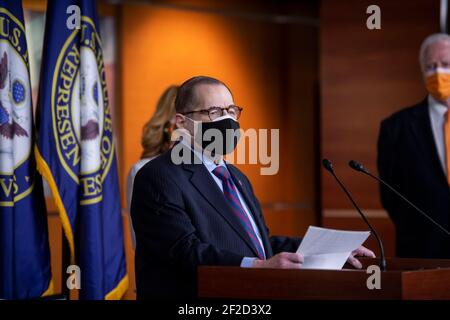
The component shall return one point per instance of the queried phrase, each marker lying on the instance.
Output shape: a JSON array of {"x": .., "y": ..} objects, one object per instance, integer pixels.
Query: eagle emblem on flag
[{"x": 8, "y": 126}]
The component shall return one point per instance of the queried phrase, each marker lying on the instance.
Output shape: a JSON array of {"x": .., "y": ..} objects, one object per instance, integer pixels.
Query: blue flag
[
  {"x": 76, "y": 152},
  {"x": 24, "y": 250}
]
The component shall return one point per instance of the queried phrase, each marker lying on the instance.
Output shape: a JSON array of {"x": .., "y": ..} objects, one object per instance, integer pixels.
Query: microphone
[
  {"x": 329, "y": 167},
  {"x": 359, "y": 167}
]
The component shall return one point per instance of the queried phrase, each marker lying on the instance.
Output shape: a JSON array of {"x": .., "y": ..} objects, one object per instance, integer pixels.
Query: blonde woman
[{"x": 155, "y": 138}]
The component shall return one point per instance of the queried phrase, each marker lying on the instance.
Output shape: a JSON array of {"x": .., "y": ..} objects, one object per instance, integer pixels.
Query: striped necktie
[{"x": 232, "y": 197}]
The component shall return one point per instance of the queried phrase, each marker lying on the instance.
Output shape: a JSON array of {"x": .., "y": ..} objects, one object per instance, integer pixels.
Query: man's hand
[
  {"x": 289, "y": 260},
  {"x": 360, "y": 252},
  {"x": 283, "y": 260}
]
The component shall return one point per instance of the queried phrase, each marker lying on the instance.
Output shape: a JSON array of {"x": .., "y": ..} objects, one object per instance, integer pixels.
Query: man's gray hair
[{"x": 430, "y": 40}]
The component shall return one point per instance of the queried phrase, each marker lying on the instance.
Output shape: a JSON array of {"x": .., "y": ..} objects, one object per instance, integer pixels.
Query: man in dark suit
[
  {"x": 201, "y": 210},
  {"x": 414, "y": 157}
]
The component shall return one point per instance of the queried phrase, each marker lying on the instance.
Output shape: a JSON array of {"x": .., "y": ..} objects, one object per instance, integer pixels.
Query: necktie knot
[{"x": 222, "y": 173}]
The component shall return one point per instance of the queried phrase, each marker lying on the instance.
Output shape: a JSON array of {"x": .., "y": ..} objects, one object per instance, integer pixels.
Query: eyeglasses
[{"x": 216, "y": 112}]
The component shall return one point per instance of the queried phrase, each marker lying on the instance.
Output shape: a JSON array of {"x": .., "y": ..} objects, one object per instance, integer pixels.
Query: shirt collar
[
  {"x": 436, "y": 107},
  {"x": 207, "y": 161}
]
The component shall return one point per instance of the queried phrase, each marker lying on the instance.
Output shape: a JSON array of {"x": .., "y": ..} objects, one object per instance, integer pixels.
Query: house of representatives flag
[
  {"x": 75, "y": 149},
  {"x": 24, "y": 249}
]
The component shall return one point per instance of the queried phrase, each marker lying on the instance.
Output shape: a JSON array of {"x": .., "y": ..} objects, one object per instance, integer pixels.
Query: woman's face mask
[
  {"x": 438, "y": 83},
  {"x": 219, "y": 136}
]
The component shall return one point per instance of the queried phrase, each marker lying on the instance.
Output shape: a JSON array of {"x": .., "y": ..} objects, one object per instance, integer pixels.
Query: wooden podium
[{"x": 404, "y": 279}]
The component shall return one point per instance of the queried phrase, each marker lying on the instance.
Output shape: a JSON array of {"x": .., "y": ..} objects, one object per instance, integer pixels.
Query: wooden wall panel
[{"x": 365, "y": 76}]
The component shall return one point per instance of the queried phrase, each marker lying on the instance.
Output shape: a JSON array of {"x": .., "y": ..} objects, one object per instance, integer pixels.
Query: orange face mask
[{"x": 438, "y": 83}]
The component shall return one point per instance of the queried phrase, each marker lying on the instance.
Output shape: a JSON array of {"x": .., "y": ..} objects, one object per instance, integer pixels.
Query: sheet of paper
[{"x": 329, "y": 249}]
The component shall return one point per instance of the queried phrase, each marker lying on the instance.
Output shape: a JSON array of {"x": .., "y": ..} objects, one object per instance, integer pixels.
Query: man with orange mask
[{"x": 414, "y": 157}]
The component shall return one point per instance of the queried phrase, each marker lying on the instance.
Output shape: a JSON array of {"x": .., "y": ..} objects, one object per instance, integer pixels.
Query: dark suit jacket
[
  {"x": 408, "y": 160},
  {"x": 182, "y": 220}
]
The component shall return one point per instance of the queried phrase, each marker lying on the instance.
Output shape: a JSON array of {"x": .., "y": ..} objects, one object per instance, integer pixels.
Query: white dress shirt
[{"x": 437, "y": 112}]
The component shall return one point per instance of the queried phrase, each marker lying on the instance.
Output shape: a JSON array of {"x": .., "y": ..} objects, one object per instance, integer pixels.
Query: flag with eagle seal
[
  {"x": 24, "y": 250},
  {"x": 75, "y": 148}
]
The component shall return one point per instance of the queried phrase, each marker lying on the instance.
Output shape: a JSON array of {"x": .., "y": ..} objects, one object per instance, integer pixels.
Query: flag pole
[{"x": 64, "y": 264}]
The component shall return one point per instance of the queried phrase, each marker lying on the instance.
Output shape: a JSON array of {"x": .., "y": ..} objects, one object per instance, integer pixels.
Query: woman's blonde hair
[{"x": 156, "y": 132}]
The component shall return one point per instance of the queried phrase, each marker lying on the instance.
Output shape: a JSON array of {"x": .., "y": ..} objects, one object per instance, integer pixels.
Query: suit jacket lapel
[
  {"x": 249, "y": 200},
  {"x": 421, "y": 127},
  {"x": 207, "y": 187}
]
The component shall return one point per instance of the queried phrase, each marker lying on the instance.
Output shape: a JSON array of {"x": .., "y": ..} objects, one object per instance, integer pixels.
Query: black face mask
[{"x": 225, "y": 131}]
